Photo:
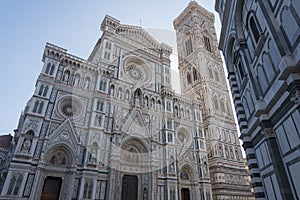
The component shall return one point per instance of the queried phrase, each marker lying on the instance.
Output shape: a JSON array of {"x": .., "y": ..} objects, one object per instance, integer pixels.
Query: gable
[
  {"x": 64, "y": 134},
  {"x": 135, "y": 125}
]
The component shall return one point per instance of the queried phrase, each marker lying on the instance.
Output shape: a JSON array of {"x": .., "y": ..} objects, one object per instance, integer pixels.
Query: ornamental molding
[
  {"x": 268, "y": 133},
  {"x": 295, "y": 98}
]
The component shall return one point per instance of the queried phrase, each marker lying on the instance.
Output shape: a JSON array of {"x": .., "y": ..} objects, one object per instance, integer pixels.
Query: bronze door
[
  {"x": 51, "y": 188},
  {"x": 185, "y": 194},
  {"x": 129, "y": 187}
]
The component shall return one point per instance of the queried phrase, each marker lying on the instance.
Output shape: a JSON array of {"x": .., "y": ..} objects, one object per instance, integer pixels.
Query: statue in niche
[
  {"x": 26, "y": 145},
  {"x": 172, "y": 168},
  {"x": 66, "y": 76},
  {"x": 205, "y": 170},
  {"x": 145, "y": 194},
  {"x": 87, "y": 83}
]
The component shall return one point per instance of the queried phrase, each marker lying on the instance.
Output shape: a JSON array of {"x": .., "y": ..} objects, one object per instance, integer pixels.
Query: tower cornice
[{"x": 195, "y": 7}]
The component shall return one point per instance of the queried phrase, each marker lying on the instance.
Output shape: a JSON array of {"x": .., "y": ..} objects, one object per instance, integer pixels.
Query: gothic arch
[
  {"x": 239, "y": 20},
  {"x": 187, "y": 168},
  {"x": 136, "y": 143},
  {"x": 230, "y": 54}
]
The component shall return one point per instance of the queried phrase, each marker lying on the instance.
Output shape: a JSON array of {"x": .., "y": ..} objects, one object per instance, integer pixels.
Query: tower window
[
  {"x": 50, "y": 69},
  {"x": 189, "y": 46},
  {"x": 103, "y": 84},
  {"x": 100, "y": 106},
  {"x": 43, "y": 90},
  {"x": 241, "y": 70},
  {"x": 188, "y": 77},
  {"x": 254, "y": 29},
  {"x": 207, "y": 44},
  {"x": 38, "y": 107},
  {"x": 106, "y": 55},
  {"x": 195, "y": 74}
]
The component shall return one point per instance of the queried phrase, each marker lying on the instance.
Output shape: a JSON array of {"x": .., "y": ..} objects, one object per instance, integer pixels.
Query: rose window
[{"x": 70, "y": 107}]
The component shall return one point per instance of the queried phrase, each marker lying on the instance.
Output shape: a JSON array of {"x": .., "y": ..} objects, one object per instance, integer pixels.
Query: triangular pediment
[
  {"x": 64, "y": 134},
  {"x": 138, "y": 35},
  {"x": 135, "y": 125}
]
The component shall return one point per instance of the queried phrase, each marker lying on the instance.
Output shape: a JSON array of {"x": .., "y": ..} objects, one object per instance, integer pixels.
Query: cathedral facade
[
  {"x": 111, "y": 127},
  {"x": 260, "y": 41}
]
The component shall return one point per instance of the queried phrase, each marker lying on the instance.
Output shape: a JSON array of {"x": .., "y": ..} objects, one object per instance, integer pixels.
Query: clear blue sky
[{"x": 27, "y": 25}]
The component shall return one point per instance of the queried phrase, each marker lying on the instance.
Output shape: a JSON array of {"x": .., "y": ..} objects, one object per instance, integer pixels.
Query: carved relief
[
  {"x": 296, "y": 97},
  {"x": 268, "y": 133}
]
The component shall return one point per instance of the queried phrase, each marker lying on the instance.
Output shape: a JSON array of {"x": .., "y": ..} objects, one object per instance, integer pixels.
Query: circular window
[
  {"x": 70, "y": 107},
  {"x": 137, "y": 70}
]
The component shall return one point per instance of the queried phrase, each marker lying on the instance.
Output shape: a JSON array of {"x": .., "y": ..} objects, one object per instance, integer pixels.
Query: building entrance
[
  {"x": 129, "y": 187},
  {"x": 51, "y": 188},
  {"x": 185, "y": 194}
]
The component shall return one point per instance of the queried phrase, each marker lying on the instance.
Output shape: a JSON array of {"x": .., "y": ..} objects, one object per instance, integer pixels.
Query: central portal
[
  {"x": 129, "y": 187},
  {"x": 51, "y": 188},
  {"x": 185, "y": 194}
]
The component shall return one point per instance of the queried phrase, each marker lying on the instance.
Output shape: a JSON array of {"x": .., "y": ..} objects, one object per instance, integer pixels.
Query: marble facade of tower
[
  {"x": 109, "y": 127},
  {"x": 202, "y": 77}
]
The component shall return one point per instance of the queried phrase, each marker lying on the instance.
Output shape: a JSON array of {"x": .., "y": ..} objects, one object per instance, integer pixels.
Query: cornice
[{"x": 116, "y": 27}]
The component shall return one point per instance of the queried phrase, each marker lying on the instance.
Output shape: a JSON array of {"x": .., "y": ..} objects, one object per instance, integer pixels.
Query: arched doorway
[
  {"x": 129, "y": 187},
  {"x": 187, "y": 183},
  {"x": 134, "y": 170},
  {"x": 185, "y": 194},
  {"x": 55, "y": 175},
  {"x": 51, "y": 188}
]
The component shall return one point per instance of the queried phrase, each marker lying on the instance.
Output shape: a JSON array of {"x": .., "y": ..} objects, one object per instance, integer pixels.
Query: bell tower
[{"x": 202, "y": 77}]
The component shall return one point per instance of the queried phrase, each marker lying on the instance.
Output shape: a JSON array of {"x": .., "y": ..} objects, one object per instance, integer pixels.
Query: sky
[{"x": 26, "y": 26}]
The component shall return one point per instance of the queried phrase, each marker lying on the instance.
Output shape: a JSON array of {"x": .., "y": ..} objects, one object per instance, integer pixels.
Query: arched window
[
  {"x": 41, "y": 107},
  {"x": 15, "y": 184},
  {"x": 100, "y": 106},
  {"x": 188, "y": 77},
  {"x": 48, "y": 68},
  {"x": 189, "y": 46},
  {"x": 222, "y": 105},
  {"x": 88, "y": 188},
  {"x": 52, "y": 69},
  {"x": 35, "y": 107},
  {"x": 254, "y": 29},
  {"x": 152, "y": 103},
  {"x": 146, "y": 102},
  {"x": 41, "y": 90},
  {"x": 45, "y": 91},
  {"x": 207, "y": 44},
  {"x": 98, "y": 120},
  {"x": 159, "y": 105},
  {"x": 187, "y": 113},
  {"x": 195, "y": 74},
  {"x": 137, "y": 97}
]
